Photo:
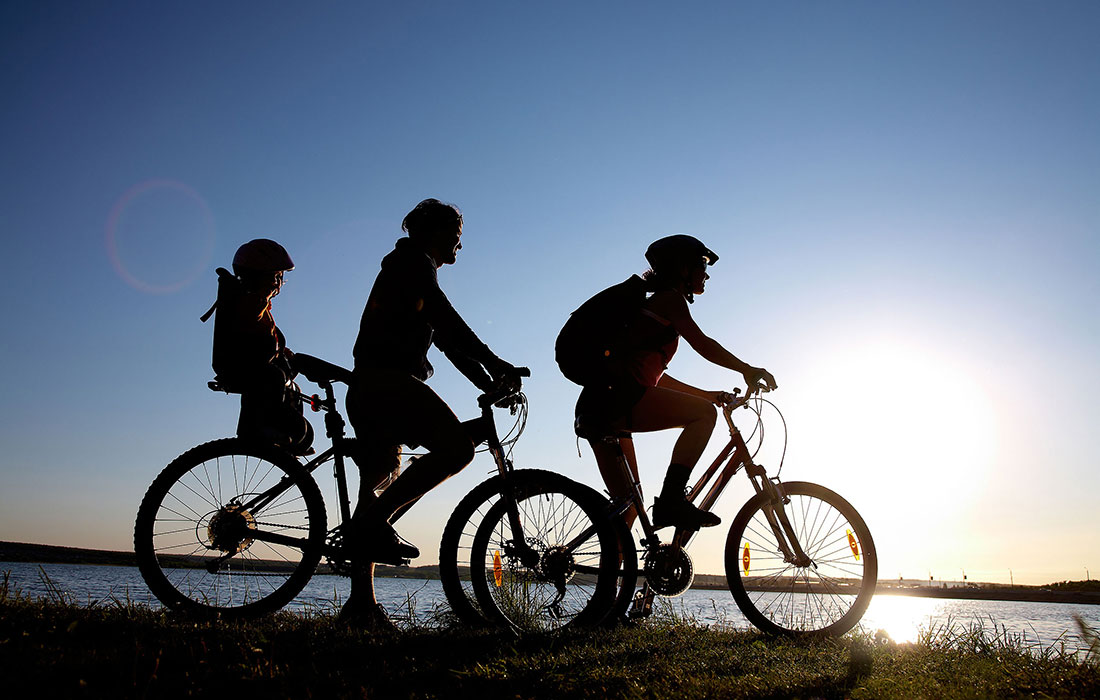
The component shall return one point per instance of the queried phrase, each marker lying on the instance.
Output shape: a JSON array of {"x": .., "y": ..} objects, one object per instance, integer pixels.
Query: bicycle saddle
[
  {"x": 592, "y": 428},
  {"x": 317, "y": 370}
]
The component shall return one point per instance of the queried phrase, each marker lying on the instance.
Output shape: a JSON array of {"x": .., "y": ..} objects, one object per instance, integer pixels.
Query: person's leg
[
  {"x": 435, "y": 427},
  {"x": 376, "y": 461},
  {"x": 662, "y": 409},
  {"x": 262, "y": 392},
  {"x": 290, "y": 420},
  {"x": 387, "y": 407}
]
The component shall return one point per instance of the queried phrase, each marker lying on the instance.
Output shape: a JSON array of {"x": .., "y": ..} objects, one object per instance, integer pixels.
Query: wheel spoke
[
  {"x": 184, "y": 520},
  {"x": 831, "y": 593}
]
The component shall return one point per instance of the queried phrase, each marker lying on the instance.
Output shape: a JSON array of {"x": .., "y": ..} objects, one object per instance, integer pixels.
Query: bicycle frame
[
  {"x": 481, "y": 429},
  {"x": 730, "y": 460},
  {"x": 334, "y": 429},
  {"x": 528, "y": 556}
]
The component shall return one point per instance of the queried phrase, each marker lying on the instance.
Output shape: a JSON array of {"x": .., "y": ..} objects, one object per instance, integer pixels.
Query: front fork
[{"x": 775, "y": 512}]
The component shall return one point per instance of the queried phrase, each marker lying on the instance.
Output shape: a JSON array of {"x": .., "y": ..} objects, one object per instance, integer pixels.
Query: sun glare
[{"x": 917, "y": 426}]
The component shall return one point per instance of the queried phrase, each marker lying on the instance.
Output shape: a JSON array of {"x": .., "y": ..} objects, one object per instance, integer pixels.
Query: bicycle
[
  {"x": 799, "y": 558},
  {"x": 237, "y": 528}
]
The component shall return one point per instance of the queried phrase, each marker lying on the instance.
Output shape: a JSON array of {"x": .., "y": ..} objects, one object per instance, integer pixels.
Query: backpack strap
[{"x": 223, "y": 276}]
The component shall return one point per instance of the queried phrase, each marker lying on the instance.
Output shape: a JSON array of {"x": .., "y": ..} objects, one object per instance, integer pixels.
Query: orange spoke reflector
[
  {"x": 854, "y": 544},
  {"x": 745, "y": 558},
  {"x": 498, "y": 571}
]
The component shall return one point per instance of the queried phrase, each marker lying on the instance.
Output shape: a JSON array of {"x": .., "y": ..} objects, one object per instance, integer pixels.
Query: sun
[{"x": 914, "y": 422}]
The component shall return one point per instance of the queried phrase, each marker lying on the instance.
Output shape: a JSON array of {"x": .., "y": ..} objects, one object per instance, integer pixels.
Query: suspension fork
[{"x": 776, "y": 514}]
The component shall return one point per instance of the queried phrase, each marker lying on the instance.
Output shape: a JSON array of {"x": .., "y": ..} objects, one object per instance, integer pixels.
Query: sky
[{"x": 904, "y": 197}]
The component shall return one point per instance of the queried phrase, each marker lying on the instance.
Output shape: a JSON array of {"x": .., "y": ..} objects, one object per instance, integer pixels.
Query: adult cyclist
[
  {"x": 390, "y": 404},
  {"x": 644, "y": 398}
]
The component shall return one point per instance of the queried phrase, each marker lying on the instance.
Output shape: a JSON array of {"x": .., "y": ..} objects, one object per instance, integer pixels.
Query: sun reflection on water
[{"x": 902, "y": 617}]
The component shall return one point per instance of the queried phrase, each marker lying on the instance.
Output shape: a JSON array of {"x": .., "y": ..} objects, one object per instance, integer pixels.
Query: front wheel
[
  {"x": 230, "y": 528},
  {"x": 824, "y": 594},
  {"x": 559, "y": 570}
]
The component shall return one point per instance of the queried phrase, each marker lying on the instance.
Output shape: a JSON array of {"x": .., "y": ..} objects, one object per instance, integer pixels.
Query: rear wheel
[
  {"x": 824, "y": 595},
  {"x": 230, "y": 528},
  {"x": 457, "y": 543},
  {"x": 560, "y": 570}
]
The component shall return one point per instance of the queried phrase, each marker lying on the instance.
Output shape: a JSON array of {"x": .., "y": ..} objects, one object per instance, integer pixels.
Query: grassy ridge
[{"x": 52, "y": 648}]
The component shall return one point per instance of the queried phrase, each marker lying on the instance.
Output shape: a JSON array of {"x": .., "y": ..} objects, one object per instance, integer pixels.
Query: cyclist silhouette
[
  {"x": 390, "y": 405},
  {"x": 641, "y": 397},
  {"x": 250, "y": 355}
]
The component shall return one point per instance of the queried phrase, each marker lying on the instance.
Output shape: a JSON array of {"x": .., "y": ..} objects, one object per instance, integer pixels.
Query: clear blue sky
[{"x": 904, "y": 197}]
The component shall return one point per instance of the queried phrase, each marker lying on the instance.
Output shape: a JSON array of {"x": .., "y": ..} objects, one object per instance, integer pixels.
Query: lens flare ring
[{"x": 206, "y": 234}]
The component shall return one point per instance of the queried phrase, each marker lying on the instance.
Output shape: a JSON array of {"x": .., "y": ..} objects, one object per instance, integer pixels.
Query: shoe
[
  {"x": 381, "y": 544},
  {"x": 370, "y": 617},
  {"x": 679, "y": 512}
]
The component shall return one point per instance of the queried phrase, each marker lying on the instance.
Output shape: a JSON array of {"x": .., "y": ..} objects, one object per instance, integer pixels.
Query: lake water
[{"x": 903, "y": 618}]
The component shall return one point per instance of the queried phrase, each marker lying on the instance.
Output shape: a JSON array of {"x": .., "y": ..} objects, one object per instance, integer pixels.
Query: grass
[{"x": 51, "y": 647}]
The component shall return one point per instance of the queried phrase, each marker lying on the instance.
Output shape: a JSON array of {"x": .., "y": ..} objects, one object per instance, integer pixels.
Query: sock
[{"x": 675, "y": 481}]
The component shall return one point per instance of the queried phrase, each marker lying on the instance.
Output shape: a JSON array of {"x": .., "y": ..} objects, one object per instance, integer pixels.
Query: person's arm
[
  {"x": 471, "y": 369},
  {"x": 677, "y": 313},
  {"x": 459, "y": 343}
]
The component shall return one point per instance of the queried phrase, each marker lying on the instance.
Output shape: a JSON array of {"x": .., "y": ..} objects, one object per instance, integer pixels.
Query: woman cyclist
[{"x": 643, "y": 398}]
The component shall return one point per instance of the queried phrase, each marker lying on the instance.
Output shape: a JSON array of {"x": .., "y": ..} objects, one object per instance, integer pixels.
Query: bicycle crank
[{"x": 669, "y": 570}]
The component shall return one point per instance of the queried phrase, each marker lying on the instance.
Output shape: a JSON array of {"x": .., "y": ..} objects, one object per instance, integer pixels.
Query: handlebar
[
  {"x": 506, "y": 388},
  {"x": 734, "y": 399}
]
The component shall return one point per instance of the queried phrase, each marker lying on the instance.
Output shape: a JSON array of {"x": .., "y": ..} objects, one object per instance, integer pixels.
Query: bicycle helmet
[
  {"x": 671, "y": 251},
  {"x": 261, "y": 255}
]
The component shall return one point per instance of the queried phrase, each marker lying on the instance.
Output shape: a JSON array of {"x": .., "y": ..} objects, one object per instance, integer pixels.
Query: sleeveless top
[{"x": 655, "y": 342}]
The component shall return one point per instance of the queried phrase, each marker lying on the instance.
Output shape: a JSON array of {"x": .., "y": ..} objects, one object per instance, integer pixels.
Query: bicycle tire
[
  {"x": 825, "y": 600},
  {"x": 458, "y": 534},
  {"x": 456, "y": 543},
  {"x": 565, "y": 588},
  {"x": 191, "y": 517}
]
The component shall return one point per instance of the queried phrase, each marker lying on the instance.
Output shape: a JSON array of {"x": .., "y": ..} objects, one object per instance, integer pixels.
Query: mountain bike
[{"x": 799, "y": 559}]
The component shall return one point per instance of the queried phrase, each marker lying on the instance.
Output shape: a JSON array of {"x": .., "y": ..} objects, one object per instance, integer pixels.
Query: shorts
[{"x": 609, "y": 406}]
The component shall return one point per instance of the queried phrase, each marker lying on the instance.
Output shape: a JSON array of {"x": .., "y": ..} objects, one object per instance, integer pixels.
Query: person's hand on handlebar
[
  {"x": 507, "y": 378},
  {"x": 723, "y": 398},
  {"x": 758, "y": 379}
]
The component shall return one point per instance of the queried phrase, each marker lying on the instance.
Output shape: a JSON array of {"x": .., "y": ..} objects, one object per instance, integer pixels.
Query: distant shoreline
[{"x": 53, "y": 554}]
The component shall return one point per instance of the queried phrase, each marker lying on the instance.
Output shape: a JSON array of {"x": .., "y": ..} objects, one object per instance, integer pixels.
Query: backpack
[
  {"x": 589, "y": 349},
  {"x": 222, "y": 357}
]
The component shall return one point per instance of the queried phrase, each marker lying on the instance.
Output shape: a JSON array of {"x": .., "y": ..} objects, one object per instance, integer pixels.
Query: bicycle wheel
[
  {"x": 230, "y": 528},
  {"x": 560, "y": 571},
  {"x": 825, "y": 598}
]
